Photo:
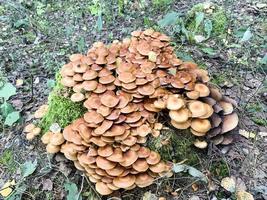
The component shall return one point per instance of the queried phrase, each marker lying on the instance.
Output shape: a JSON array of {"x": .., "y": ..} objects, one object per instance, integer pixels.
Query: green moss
[
  {"x": 175, "y": 145},
  {"x": 7, "y": 159},
  {"x": 219, "y": 169},
  {"x": 61, "y": 109},
  {"x": 217, "y": 17}
]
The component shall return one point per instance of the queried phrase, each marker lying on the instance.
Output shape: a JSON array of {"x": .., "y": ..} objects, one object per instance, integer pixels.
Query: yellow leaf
[
  {"x": 6, "y": 189},
  {"x": 152, "y": 56},
  {"x": 247, "y": 134},
  {"x": 243, "y": 195},
  {"x": 19, "y": 82}
]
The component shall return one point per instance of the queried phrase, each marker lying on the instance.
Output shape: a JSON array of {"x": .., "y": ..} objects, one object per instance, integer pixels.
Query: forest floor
[{"x": 36, "y": 39}]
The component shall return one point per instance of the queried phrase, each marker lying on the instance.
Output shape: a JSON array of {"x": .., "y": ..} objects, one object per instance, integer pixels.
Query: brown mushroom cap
[
  {"x": 50, "y": 148},
  {"x": 105, "y": 151},
  {"x": 46, "y": 137},
  {"x": 147, "y": 89},
  {"x": 143, "y": 130},
  {"x": 183, "y": 125},
  {"x": 153, "y": 158},
  {"x": 89, "y": 75},
  {"x": 229, "y": 122},
  {"x": 174, "y": 102},
  {"x": 208, "y": 113},
  {"x": 200, "y": 125},
  {"x": 140, "y": 165},
  {"x": 143, "y": 152},
  {"x": 227, "y": 107},
  {"x": 116, "y": 171},
  {"x": 89, "y": 85},
  {"x": 193, "y": 94},
  {"x": 158, "y": 168},
  {"x": 126, "y": 77},
  {"x": 197, "y": 108},
  {"x": 93, "y": 117},
  {"x": 109, "y": 99},
  {"x": 180, "y": 116},
  {"x": 36, "y": 131},
  {"x": 203, "y": 90},
  {"x": 201, "y": 144},
  {"x": 129, "y": 158},
  {"x": 143, "y": 180},
  {"x": 124, "y": 182},
  {"x": 102, "y": 188},
  {"x": 29, "y": 128},
  {"x": 76, "y": 97},
  {"x": 57, "y": 139},
  {"x": 105, "y": 164}
]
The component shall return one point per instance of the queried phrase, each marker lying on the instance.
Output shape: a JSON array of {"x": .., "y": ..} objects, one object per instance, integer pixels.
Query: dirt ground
[{"x": 37, "y": 37}]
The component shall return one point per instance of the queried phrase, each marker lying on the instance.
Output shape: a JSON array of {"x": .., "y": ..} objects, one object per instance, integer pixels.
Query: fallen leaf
[
  {"x": 247, "y": 134},
  {"x": 47, "y": 184},
  {"x": 72, "y": 190},
  {"x": 55, "y": 128},
  {"x": 28, "y": 168},
  {"x": 228, "y": 183},
  {"x": 6, "y": 190},
  {"x": 199, "y": 38},
  {"x": 194, "y": 187},
  {"x": 19, "y": 82},
  {"x": 152, "y": 56},
  {"x": 240, "y": 185},
  {"x": 243, "y": 195}
]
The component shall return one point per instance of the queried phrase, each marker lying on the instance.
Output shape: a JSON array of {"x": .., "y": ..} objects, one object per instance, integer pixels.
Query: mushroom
[
  {"x": 57, "y": 139},
  {"x": 200, "y": 125},
  {"x": 174, "y": 102},
  {"x": 229, "y": 122},
  {"x": 200, "y": 144},
  {"x": 124, "y": 182},
  {"x": 102, "y": 188}
]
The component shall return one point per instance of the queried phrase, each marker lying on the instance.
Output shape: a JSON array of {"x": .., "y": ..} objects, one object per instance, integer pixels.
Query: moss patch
[
  {"x": 61, "y": 109},
  {"x": 213, "y": 13},
  {"x": 175, "y": 145},
  {"x": 219, "y": 169}
]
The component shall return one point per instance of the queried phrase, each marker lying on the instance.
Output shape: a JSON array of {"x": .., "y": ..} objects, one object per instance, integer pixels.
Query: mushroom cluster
[
  {"x": 124, "y": 86},
  {"x": 53, "y": 141}
]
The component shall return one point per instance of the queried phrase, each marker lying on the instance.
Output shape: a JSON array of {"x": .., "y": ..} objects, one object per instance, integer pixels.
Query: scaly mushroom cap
[
  {"x": 203, "y": 90},
  {"x": 105, "y": 151}
]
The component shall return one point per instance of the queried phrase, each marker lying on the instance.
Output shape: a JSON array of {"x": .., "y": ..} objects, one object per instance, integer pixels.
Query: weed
[
  {"x": 7, "y": 160},
  {"x": 161, "y": 4}
]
